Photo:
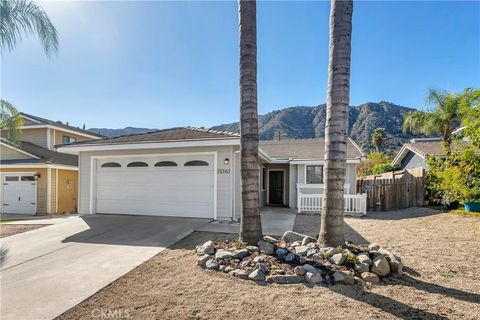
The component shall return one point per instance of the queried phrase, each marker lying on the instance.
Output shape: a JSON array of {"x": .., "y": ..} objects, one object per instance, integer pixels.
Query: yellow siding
[
  {"x": 57, "y": 137},
  {"x": 7, "y": 153},
  {"x": 53, "y": 197},
  {"x": 36, "y": 136}
]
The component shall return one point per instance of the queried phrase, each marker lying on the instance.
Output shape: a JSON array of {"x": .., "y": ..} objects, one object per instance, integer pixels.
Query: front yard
[
  {"x": 7, "y": 229},
  {"x": 441, "y": 253}
]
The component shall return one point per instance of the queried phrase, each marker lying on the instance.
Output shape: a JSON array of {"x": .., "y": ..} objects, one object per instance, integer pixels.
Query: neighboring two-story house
[{"x": 35, "y": 179}]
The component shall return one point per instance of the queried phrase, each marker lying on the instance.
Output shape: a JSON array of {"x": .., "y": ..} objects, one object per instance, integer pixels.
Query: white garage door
[
  {"x": 19, "y": 194},
  {"x": 181, "y": 186}
]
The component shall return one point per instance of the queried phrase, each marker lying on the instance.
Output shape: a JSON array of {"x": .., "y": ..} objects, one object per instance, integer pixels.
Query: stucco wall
[{"x": 413, "y": 160}]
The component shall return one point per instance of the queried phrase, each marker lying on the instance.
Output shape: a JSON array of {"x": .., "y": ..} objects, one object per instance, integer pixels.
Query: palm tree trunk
[
  {"x": 336, "y": 125},
  {"x": 251, "y": 226}
]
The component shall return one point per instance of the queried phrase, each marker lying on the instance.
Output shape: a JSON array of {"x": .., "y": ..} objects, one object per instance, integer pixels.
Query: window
[
  {"x": 67, "y": 139},
  {"x": 196, "y": 163},
  {"x": 28, "y": 178},
  {"x": 165, "y": 164},
  {"x": 264, "y": 178},
  {"x": 137, "y": 164},
  {"x": 11, "y": 178},
  {"x": 111, "y": 165},
  {"x": 315, "y": 174}
]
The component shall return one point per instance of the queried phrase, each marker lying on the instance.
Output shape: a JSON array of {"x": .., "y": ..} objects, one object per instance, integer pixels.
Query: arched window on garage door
[
  {"x": 166, "y": 164},
  {"x": 137, "y": 164},
  {"x": 111, "y": 165},
  {"x": 196, "y": 163}
]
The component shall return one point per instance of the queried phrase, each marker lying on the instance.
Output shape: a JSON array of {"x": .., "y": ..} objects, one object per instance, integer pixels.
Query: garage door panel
[{"x": 164, "y": 191}]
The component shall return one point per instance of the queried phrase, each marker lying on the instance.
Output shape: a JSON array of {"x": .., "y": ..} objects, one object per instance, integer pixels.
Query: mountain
[{"x": 309, "y": 122}]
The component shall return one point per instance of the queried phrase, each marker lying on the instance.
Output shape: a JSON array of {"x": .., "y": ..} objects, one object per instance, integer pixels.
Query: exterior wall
[
  {"x": 36, "y": 136},
  {"x": 292, "y": 195},
  {"x": 413, "y": 160},
  {"x": 11, "y": 154},
  {"x": 67, "y": 191},
  {"x": 56, "y": 137},
  {"x": 263, "y": 191},
  {"x": 237, "y": 188},
  {"x": 53, "y": 190},
  {"x": 225, "y": 179},
  {"x": 41, "y": 186}
]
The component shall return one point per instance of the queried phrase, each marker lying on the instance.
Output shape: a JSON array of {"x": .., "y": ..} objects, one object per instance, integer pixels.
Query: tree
[
  {"x": 378, "y": 138},
  {"x": 336, "y": 125},
  {"x": 250, "y": 224},
  {"x": 19, "y": 18},
  {"x": 470, "y": 108},
  {"x": 442, "y": 120},
  {"x": 376, "y": 163}
]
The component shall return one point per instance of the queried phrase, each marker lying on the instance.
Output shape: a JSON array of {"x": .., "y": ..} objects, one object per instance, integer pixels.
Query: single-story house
[
  {"x": 193, "y": 172},
  {"x": 36, "y": 179}
]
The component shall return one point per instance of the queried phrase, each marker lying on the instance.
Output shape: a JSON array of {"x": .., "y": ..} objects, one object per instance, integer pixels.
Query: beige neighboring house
[
  {"x": 36, "y": 179},
  {"x": 193, "y": 172}
]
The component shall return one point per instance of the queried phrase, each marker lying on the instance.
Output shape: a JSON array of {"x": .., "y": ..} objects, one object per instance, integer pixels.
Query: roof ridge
[{"x": 230, "y": 133}]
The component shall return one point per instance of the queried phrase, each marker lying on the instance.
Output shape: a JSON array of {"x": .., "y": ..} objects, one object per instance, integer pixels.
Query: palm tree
[
  {"x": 251, "y": 226},
  {"x": 336, "y": 125},
  {"x": 378, "y": 138},
  {"x": 442, "y": 120},
  {"x": 19, "y": 18}
]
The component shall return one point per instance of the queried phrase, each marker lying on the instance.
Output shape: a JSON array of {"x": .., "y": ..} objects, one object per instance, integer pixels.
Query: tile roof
[
  {"x": 166, "y": 135},
  {"x": 57, "y": 124},
  {"x": 46, "y": 156},
  {"x": 304, "y": 149}
]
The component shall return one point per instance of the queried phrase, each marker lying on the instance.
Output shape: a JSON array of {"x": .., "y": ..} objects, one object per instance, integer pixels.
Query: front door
[{"x": 275, "y": 187}]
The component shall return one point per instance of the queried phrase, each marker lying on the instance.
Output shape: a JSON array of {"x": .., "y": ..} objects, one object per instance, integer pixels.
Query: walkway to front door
[{"x": 275, "y": 187}]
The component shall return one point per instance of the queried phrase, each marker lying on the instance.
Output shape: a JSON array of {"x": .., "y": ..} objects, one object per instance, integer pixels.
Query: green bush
[{"x": 376, "y": 163}]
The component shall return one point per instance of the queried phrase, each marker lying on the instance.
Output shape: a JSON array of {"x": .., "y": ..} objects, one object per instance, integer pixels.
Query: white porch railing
[{"x": 354, "y": 203}]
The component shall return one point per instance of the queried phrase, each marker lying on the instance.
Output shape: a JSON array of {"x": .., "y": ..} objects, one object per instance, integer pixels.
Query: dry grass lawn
[
  {"x": 11, "y": 229},
  {"x": 442, "y": 279}
]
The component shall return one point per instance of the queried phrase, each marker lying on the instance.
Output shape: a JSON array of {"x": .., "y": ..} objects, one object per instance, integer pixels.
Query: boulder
[
  {"x": 257, "y": 275},
  {"x": 309, "y": 268},
  {"x": 343, "y": 278},
  {"x": 291, "y": 236},
  {"x": 262, "y": 267},
  {"x": 370, "y": 277},
  {"x": 206, "y": 248},
  {"x": 329, "y": 250},
  {"x": 223, "y": 255},
  {"x": 313, "y": 277},
  {"x": 211, "y": 265},
  {"x": 306, "y": 240},
  {"x": 317, "y": 257},
  {"x": 302, "y": 250},
  {"x": 265, "y": 247},
  {"x": 337, "y": 259},
  {"x": 240, "y": 254},
  {"x": 203, "y": 259},
  {"x": 272, "y": 240},
  {"x": 364, "y": 258},
  {"x": 299, "y": 270},
  {"x": 380, "y": 266},
  {"x": 373, "y": 246},
  {"x": 396, "y": 265},
  {"x": 239, "y": 273},
  {"x": 281, "y": 252},
  {"x": 361, "y": 267},
  {"x": 286, "y": 279},
  {"x": 290, "y": 257},
  {"x": 253, "y": 248}
]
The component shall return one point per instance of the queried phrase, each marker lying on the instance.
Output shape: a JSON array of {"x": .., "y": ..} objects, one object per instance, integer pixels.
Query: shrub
[{"x": 376, "y": 163}]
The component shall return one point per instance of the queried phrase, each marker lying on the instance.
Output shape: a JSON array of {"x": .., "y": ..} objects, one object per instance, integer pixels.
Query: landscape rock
[
  {"x": 257, "y": 275},
  {"x": 311, "y": 252},
  {"x": 317, "y": 257},
  {"x": 380, "y": 266},
  {"x": 364, "y": 258},
  {"x": 291, "y": 236},
  {"x": 313, "y": 277},
  {"x": 279, "y": 271},
  {"x": 240, "y": 254},
  {"x": 211, "y": 265},
  {"x": 239, "y": 273},
  {"x": 295, "y": 244},
  {"x": 373, "y": 246},
  {"x": 302, "y": 250},
  {"x": 262, "y": 267},
  {"x": 286, "y": 279},
  {"x": 228, "y": 269},
  {"x": 253, "y": 248},
  {"x": 343, "y": 278},
  {"x": 244, "y": 264},
  {"x": 272, "y": 240},
  {"x": 309, "y": 268},
  {"x": 337, "y": 259},
  {"x": 280, "y": 252},
  {"x": 299, "y": 270},
  {"x": 265, "y": 247},
  {"x": 206, "y": 248},
  {"x": 223, "y": 255},
  {"x": 290, "y": 257},
  {"x": 259, "y": 259},
  {"x": 396, "y": 265},
  {"x": 329, "y": 250},
  {"x": 370, "y": 277},
  {"x": 203, "y": 259},
  {"x": 306, "y": 240},
  {"x": 361, "y": 267},
  {"x": 221, "y": 268}
]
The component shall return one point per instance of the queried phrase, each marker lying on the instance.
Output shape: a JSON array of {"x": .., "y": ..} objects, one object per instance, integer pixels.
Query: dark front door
[{"x": 275, "y": 185}]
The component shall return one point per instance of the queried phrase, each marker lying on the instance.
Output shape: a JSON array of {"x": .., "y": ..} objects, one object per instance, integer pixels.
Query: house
[
  {"x": 36, "y": 179},
  {"x": 414, "y": 154},
  {"x": 192, "y": 172}
]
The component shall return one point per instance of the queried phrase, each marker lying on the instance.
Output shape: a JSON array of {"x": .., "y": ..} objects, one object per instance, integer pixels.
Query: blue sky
[{"x": 163, "y": 64}]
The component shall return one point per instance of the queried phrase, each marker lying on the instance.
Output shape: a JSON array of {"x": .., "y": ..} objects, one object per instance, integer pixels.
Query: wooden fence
[{"x": 394, "y": 190}]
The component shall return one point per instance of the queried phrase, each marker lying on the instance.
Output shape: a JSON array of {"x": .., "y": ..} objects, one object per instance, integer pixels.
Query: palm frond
[
  {"x": 10, "y": 120},
  {"x": 22, "y": 17}
]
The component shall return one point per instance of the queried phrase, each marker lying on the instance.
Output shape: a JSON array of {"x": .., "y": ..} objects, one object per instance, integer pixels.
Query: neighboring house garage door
[
  {"x": 19, "y": 193},
  {"x": 181, "y": 186}
]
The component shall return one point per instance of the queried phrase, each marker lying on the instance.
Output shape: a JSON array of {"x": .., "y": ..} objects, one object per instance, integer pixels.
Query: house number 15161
[{"x": 223, "y": 171}]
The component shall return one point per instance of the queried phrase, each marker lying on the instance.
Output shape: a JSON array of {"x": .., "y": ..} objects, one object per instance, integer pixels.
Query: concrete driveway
[{"x": 47, "y": 271}]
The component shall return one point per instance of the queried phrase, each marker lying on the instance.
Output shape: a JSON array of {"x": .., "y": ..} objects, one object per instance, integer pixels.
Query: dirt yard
[
  {"x": 11, "y": 229},
  {"x": 441, "y": 281}
]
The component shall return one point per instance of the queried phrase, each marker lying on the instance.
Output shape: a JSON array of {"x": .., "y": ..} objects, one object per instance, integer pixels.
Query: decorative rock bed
[{"x": 297, "y": 258}]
